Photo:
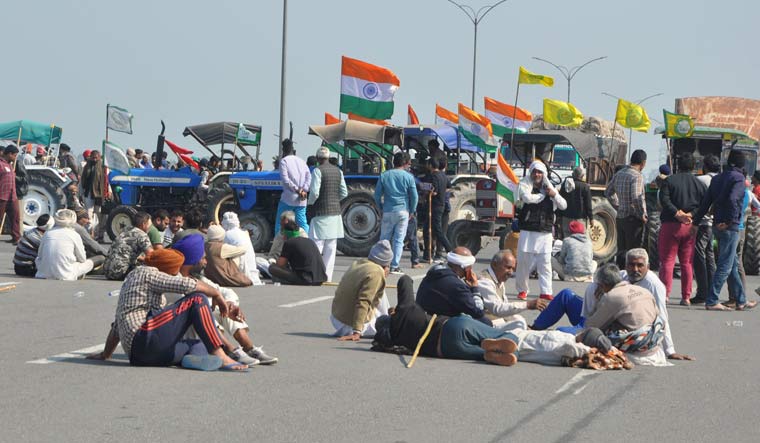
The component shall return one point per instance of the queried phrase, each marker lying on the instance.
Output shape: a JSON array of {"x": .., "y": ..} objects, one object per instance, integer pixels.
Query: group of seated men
[{"x": 621, "y": 311}]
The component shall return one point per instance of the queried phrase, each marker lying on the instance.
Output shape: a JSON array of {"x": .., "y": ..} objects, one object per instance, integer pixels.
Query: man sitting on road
[
  {"x": 452, "y": 289},
  {"x": 238, "y": 237},
  {"x": 129, "y": 247},
  {"x": 575, "y": 261},
  {"x": 493, "y": 288},
  {"x": 151, "y": 333},
  {"x": 281, "y": 238},
  {"x": 160, "y": 225},
  {"x": 223, "y": 260},
  {"x": 26, "y": 251},
  {"x": 300, "y": 262},
  {"x": 176, "y": 221},
  {"x": 360, "y": 296},
  {"x": 91, "y": 247},
  {"x": 194, "y": 220},
  {"x": 61, "y": 254}
]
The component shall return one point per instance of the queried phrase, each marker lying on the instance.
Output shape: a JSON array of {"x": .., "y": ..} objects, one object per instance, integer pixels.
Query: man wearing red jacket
[{"x": 8, "y": 198}]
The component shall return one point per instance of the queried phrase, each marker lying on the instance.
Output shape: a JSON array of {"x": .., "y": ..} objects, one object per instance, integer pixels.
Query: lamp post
[
  {"x": 282, "y": 73},
  {"x": 475, "y": 17},
  {"x": 570, "y": 73},
  {"x": 638, "y": 102}
]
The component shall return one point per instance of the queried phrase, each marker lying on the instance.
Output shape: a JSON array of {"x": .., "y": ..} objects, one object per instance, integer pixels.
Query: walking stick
[
  {"x": 422, "y": 340},
  {"x": 430, "y": 227}
]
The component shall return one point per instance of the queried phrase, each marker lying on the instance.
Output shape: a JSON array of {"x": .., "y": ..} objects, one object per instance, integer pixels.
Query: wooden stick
[
  {"x": 430, "y": 227},
  {"x": 422, "y": 340},
  {"x": 7, "y": 288},
  {"x": 335, "y": 283}
]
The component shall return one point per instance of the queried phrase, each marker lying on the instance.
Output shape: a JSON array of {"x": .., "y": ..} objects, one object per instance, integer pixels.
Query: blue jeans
[
  {"x": 414, "y": 244},
  {"x": 565, "y": 302},
  {"x": 461, "y": 337},
  {"x": 393, "y": 229},
  {"x": 300, "y": 216},
  {"x": 727, "y": 267}
]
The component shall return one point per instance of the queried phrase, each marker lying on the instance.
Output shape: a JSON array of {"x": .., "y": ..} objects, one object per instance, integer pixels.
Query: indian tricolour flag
[
  {"x": 367, "y": 90},
  {"x": 504, "y": 117},
  {"x": 445, "y": 117},
  {"x": 476, "y": 128},
  {"x": 506, "y": 180}
]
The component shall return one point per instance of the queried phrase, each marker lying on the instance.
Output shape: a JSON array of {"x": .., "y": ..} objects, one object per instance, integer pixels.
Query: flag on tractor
[
  {"x": 561, "y": 113},
  {"x": 367, "y": 90},
  {"x": 506, "y": 180},
  {"x": 411, "y": 116},
  {"x": 119, "y": 119},
  {"x": 528, "y": 78},
  {"x": 246, "y": 137},
  {"x": 476, "y": 128},
  {"x": 632, "y": 116},
  {"x": 359, "y": 118},
  {"x": 331, "y": 119},
  {"x": 677, "y": 125},
  {"x": 505, "y": 117},
  {"x": 445, "y": 117},
  {"x": 114, "y": 157},
  {"x": 183, "y": 154}
]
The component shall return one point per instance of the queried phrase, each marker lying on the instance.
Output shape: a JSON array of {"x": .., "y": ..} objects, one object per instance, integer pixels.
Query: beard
[{"x": 635, "y": 277}]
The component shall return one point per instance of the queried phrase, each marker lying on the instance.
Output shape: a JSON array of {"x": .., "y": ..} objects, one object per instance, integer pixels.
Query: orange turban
[{"x": 166, "y": 260}]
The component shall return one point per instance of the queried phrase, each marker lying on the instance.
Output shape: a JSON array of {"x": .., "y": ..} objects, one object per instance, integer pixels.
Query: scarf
[{"x": 93, "y": 179}]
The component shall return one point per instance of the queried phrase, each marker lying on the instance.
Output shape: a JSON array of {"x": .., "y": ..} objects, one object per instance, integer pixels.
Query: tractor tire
[
  {"x": 221, "y": 199},
  {"x": 602, "y": 231},
  {"x": 119, "y": 220},
  {"x": 462, "y": 201},
  {"x": 42, "y": 197},
  {"x": 361, "y": 220},
  {"x": 751, "y": 255},
  {"x": 461, "y": 234},
  {"x": 259, "y": 228},
  {"x": 652, "y": 234}
]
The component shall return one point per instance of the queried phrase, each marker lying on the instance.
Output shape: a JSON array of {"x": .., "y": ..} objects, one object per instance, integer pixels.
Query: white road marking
[
  {"x": 577, "y": 378},
  {"x": 418, "y": 277},
  {"x": 79, "y": 353},
  {"x": 307, "y": 301},
  {"x": 579, "y": 390}
]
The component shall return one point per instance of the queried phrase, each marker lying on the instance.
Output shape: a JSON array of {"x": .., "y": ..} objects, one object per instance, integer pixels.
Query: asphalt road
[{"x": 323, "y": 390}]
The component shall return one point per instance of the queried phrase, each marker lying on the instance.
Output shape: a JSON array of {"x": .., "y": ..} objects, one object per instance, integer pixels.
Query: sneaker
[
  {"x": 548, "y": 297},
  {"x": 261, "y": 356},
  {"x": 240, "y": 356},
  {"x": 397, "y": 271},
  {"x": 522, "y": 296}
]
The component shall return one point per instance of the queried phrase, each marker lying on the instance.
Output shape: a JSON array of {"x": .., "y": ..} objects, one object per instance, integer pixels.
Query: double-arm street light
[
  {"x": 569, "y": 73},
  {"x": 475, "y": 17}
]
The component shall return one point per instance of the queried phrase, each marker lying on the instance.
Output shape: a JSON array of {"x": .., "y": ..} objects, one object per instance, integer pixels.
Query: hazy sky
[{"x": 191, "y": 62}]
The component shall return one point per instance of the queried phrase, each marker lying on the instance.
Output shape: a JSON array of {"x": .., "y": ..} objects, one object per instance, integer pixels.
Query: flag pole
[
  {"x": 108, "y": 105},
  {"x": 514, "y": 116}
]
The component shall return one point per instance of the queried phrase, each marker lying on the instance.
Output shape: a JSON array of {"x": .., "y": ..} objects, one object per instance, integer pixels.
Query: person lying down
[{"x": 461, "y": 337}]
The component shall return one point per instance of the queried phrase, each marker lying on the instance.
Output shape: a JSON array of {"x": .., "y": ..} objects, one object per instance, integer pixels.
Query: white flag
[
  {"x": 115, "y": 158},
  {"x": 119, "y": 119},
  {"x": 246, "y": 136}
]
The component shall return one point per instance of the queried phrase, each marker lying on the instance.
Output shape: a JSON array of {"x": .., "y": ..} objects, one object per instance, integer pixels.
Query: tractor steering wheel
[{"x": 554, "y": 177}]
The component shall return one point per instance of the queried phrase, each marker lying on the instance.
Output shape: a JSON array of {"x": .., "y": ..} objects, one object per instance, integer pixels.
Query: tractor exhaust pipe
[{"x": 160, "y": 147}]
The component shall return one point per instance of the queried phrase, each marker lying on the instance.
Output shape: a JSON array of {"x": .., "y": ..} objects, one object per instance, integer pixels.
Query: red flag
[
  {"x": 189, "y": 161},
  {"x": 177, "y": 149},
  {"x": 412, "y": 116},
  {"x": 331, "y": 119}
]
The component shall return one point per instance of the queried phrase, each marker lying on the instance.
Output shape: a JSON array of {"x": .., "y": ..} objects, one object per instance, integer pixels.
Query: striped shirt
[
  {"x": 27, "y": 248},
  {"x": 141, "y": 293},
  {"x": 628, "y": 185}
]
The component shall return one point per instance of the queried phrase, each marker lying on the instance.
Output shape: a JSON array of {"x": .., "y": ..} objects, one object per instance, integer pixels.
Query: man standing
[
  {"x": 725, "y": 196},
  {"x": 493, "y": 288},
  {"x": 360, "y": 296},
  {"x": 577, "y": 194},
  {"x": 396, "y": 194},
  {"x": 435, "y": 152},
  {"x": 8, "y": 198},
  {"x": 680, "y": 195},
  {"x": 296, "y": 180},
  {"x": 704, "y": 254},
  {"x": 129, "y": 247},
  {"x": 93, "y": 191},
  {"x": 439, "y": 182},
  {"x": 328, "y": 188},
  {"x": 539, "y": 201},
  {"x": 627, "y": 188}
]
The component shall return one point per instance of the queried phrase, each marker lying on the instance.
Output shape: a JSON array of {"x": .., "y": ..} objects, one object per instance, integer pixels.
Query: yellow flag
[
  {"x": 631, "y": 115},
  {"x": 677, "y": 125},
  {"x": 529, "y": 78},
  {"x": 561, "y": 113}
]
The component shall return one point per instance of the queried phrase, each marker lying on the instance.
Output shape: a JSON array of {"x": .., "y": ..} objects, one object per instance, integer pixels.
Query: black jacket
[
  {"x": 442, "y": 292},
  {"x": 680, "y": 191},
  {"x": 409, "y": 321},
  {"x": 578, "y": 201}
]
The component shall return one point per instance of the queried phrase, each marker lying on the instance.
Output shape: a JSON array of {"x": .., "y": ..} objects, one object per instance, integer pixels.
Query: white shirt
[
  {"x": 651, "y": 283},
  {"x": 531, "y": 241},
  {"x": 168, "y": 236},
  {"x": 238, "y": 237},
  {"x": 60, "y": 252},
  {"x": 495, "y": 301}
]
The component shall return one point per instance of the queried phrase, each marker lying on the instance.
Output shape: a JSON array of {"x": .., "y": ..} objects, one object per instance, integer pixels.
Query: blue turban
[{"x": 191, "y": 247}]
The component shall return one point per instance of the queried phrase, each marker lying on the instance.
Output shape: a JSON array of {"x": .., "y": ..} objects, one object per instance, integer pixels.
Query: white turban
[
  {"x": 65, "y": 218},
  {"x": 537, "y": 165},
  {"x": 230, "y": 221},
  {"x": 323, "y": 153},
  {"x": 465, "y": 261},
  {"x": 215, "y": 233}
]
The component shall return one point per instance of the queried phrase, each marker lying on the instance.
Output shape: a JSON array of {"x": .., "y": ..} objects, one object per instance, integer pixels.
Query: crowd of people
[{"x": 176, "y": 307}]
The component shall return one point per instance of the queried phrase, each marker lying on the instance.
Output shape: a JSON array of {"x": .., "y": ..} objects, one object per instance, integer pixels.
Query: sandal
[
  {"x": 746, "y": 306},
  {"x": 233, "y": 367},
  {"x": 717, "y": 307}
]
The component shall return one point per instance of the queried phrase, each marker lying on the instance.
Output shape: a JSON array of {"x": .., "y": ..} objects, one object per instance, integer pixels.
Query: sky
[{"x": 190, "y": 62}]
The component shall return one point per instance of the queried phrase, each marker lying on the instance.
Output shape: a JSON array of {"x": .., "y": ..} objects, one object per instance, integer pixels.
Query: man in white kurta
[
  {"x": 535, "y": 244},
  {"x": 235, "y": 236},
  {"x": 61, "y": 255}
]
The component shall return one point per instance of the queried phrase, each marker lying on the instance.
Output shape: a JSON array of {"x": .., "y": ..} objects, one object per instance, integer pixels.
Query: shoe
[
  {"x": 697, "y": 301},
  {"x": 439, "y": 259},
  {"x": 685, "y": 302},
  {"x": 259, "y": 354},
  {"x": 547, "y": 297},
  {"x": 522, "y": 296},
  {"x": 397, "y": 271},
  {"x": 240, "y": 356}
]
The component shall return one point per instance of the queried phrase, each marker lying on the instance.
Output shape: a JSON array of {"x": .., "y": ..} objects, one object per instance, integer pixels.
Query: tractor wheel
[
  {"x": 119, "y": 220},
  {"x": 602, "y": 231},
  {"x": 652, "y": 234},
  {"x": 221, "y": 199},
  {"x": 462, "y": 202},
  {"x": 460, "y": 233},
  {"x": 259, "y": 228},
  {"x": 752, "y": 246},
  {"x": 361, "y": 221},
  {"x": 43, "y": 197}
]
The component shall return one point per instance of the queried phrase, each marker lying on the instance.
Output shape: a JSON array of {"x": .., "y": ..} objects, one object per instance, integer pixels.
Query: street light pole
[
  {"x": 569, "y": 73},
  {"x": 282, "y": 73},
  {"x": 475, "y": 17}
]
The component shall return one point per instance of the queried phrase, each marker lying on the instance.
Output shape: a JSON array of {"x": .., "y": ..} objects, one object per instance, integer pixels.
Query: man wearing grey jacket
[{"x": 575, "y": 261}]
